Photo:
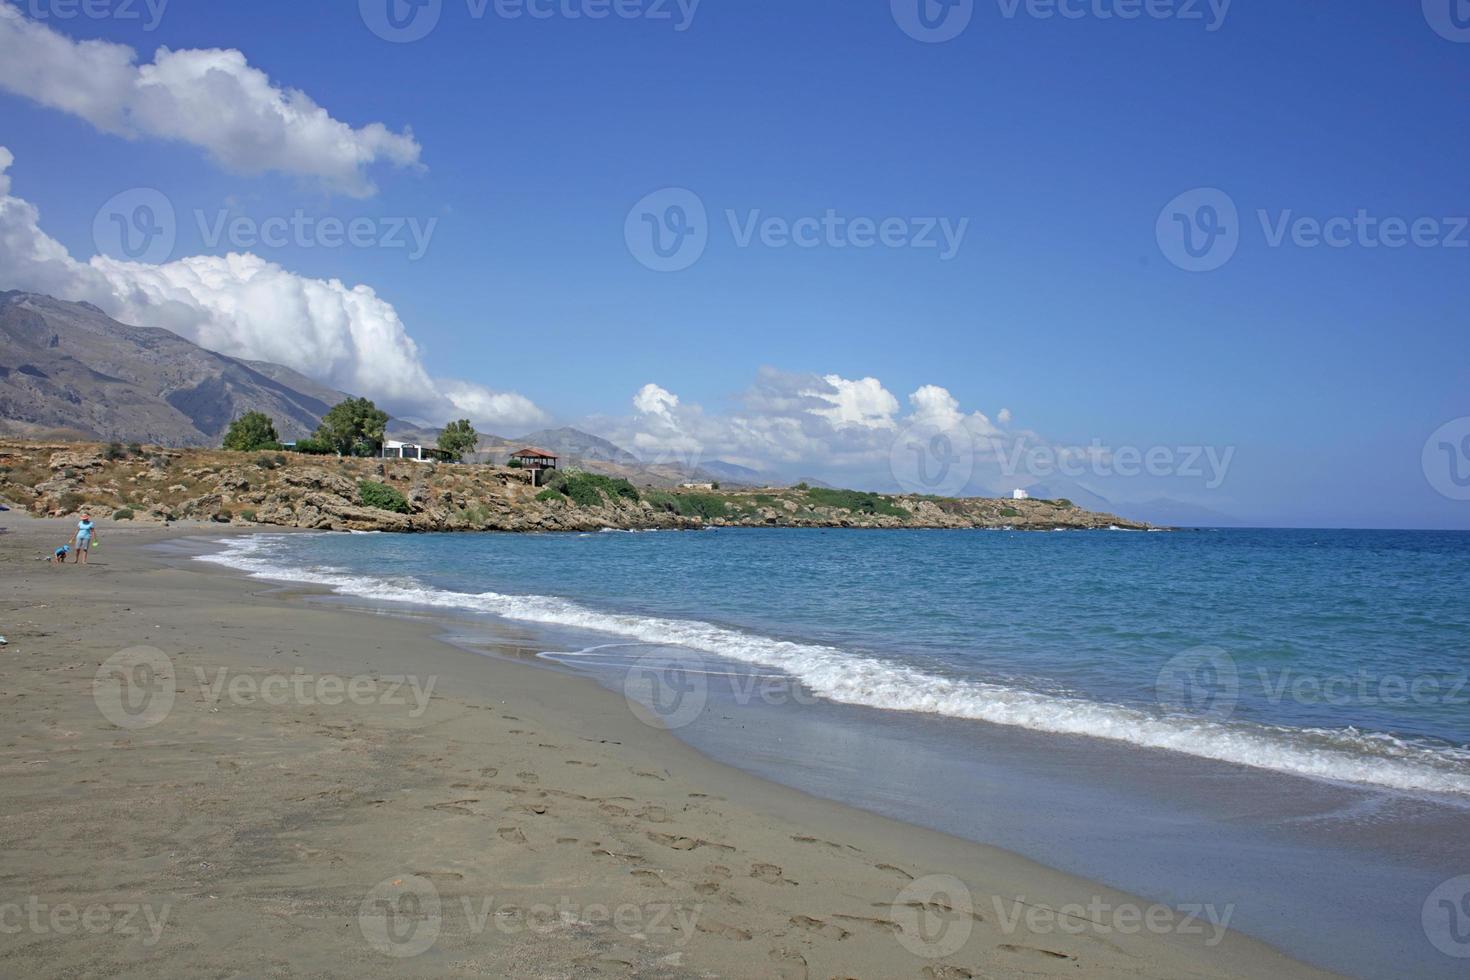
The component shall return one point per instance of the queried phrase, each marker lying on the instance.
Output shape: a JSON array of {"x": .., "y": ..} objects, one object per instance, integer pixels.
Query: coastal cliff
[{"x": 151, "y": 484}]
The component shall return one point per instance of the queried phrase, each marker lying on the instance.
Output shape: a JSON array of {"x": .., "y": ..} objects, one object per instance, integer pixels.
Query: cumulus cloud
[
  {"x": 244, "y": 306},
  {"x": 866, "y": 402},
  {"x": 797, "y": 425},
  {"x": 213, "y": 99}
]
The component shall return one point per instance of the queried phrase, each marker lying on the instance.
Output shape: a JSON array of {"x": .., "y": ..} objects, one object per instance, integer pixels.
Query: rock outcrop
[{"x": 287, "y": 490}]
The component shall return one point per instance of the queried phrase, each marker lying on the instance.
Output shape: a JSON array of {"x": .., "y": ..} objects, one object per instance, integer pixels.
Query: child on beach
[{"x": 60, "y": 557}]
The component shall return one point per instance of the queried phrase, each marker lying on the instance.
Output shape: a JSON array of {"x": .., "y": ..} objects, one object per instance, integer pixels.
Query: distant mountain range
[{"x": 68, "y": 370}]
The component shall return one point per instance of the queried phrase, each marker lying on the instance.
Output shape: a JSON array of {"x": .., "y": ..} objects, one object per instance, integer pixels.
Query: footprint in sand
[
  {"x": 646, "y": 774},
  {"x": 706, "y": 888},
  {"x": 1034, "y": 953},
  {"x": 453, "y": 806},
  {"x": 895, "y": 869},
  {"x": 489, "y": 772},
  {"x": 817, "y": 840},
  {"x": 511, "y": 834},
  {"x": 718, "y": 870},
  {"x": 824, "y": 929},
  {"x": 649, "y": 879},
  {"x": 787, "y": 964},
  {"x": 945, "y": 972},
  {"x": 771, "y": 874},
  {"x": 654, "y": 814},
  {"x": 882, "y": 925},
  {"x": 722, "y": 930},
  {"x": 439, "y": 875},
  {"x": 528, "y": 777}
]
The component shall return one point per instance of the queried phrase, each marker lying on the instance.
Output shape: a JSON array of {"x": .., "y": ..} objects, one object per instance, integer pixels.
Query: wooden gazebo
[{"x": 536, "y": 460}]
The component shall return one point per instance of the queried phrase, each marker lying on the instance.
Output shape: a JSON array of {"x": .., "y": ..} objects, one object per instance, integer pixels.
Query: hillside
[
  {"x": 289, "y": 490},
  {"x": 70, "y": 367}
]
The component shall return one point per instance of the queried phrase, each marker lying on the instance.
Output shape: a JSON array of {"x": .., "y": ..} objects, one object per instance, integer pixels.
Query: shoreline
[{"x": 813, "y": 892}]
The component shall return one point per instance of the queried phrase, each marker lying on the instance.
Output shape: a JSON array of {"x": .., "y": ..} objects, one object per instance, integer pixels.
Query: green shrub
[
  {"x": 705, "y": 505},
  {"x": 381, "y": 496},
  {"x": 250, "y": 432},
  {"x": 71, "y": 502},
  {"x": 223, "y": 517},
  {"x": 247, "y": 515},
  {"x": 547, "y": 496},
  {"x": 114, "y": 451},
  {"x": 1010, "y": 512},
  {"x": 855, "y": 501},
  {"x": 1064, "y": 503},
  {"x": 590, "y": 489},
  {"x": 516, "y": 464},
  {"x": 314, "y": 447},
  {"x": 135, "y": 449},
  {"x": 125, "y": 514}
]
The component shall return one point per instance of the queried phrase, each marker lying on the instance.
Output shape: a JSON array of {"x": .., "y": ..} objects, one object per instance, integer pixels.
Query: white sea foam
[{"x": 1345, "y": 755}]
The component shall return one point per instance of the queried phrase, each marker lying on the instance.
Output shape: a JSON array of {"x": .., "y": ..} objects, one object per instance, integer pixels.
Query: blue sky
[{"x": 1058, "y": 140}]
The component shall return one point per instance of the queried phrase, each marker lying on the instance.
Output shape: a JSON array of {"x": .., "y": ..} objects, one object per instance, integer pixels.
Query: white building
[
  {"x": 392, "y": 449},
  {"x": 1020, "y": 495}
]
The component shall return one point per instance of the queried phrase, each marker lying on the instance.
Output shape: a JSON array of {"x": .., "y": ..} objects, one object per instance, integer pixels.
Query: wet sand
[{"x": 206, "y": 775}]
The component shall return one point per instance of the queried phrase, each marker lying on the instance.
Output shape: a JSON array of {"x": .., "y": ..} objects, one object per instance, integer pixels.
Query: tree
[
  {"x": 353, "y": 428},
  {"x": 457, "y": 439},
  {"x": 252, "y": 431}
]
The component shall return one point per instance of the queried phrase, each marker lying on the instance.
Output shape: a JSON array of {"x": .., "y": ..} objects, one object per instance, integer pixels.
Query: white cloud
[
  {"x": 212, "y": 99},
  {"x": 793, "y": 424},
  {"x": 244, "y": 306},
  {"x": 656, "y": 401},
  {"x": 865, "y": 402},
  {"x": 1004, "y": 418}
]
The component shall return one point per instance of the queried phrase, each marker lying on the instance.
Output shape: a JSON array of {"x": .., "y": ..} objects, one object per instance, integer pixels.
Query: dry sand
[{"x": 484, "y": 817}]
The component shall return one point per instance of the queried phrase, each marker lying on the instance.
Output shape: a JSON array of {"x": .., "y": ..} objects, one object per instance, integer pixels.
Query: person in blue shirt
[{"x": 86, "y": 534}]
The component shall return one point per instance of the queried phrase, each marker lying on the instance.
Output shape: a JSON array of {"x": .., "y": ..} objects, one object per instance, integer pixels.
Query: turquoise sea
[{"x": 1320, "y": 675}]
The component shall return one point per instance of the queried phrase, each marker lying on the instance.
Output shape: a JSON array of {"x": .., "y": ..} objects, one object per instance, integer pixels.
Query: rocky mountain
[{"x": 69, "y": 368}]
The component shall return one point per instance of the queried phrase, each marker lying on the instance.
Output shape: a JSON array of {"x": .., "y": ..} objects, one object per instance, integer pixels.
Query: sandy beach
[{"x": 208, "y": 775}]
